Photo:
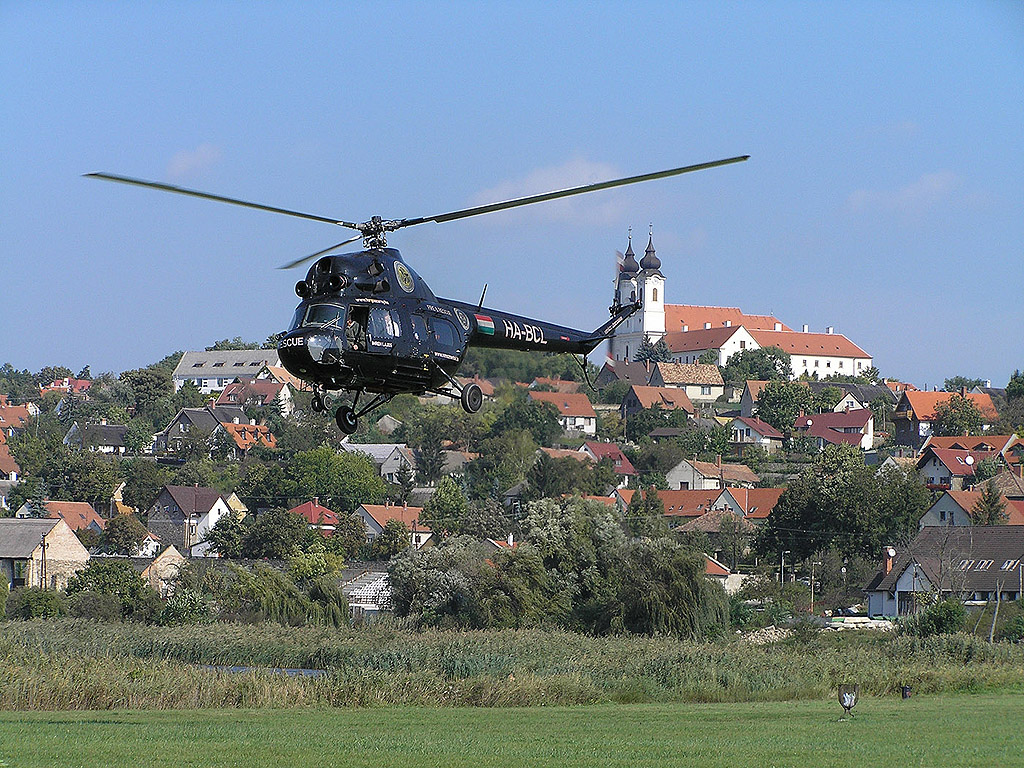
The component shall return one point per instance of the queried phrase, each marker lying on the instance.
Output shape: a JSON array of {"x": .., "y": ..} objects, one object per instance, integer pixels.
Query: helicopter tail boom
[{"x": 501, "y": 330}]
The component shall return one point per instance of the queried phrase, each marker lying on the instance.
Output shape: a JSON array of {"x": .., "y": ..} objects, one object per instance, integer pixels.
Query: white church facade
[{"x": 691, "y": 331}]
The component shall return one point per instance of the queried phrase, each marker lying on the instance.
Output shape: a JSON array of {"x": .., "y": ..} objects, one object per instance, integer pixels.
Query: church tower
[{"x": 645, "y": 282}]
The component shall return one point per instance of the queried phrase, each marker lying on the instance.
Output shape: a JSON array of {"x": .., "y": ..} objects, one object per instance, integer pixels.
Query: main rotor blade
[
  {"x": 218, "y": 198},
  {"x": 304, "y": 259},
  {"x": 515, "y": 203}
]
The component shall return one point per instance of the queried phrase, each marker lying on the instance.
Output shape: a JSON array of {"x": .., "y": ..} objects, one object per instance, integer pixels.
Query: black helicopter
[{"x": 367, "y": 323}]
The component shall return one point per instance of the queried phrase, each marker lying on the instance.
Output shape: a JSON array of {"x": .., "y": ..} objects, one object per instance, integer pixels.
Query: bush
[
  {"x": 118, "y": 579},
  {"x": 4, "y": 591},
  {"x": 945, "y": 618},
  {"x": 94, "y": 605},
  {"x": 186, "y": 606},
  {"x": 1013, "y": 630},
  {"x": 35, "y": 603}
]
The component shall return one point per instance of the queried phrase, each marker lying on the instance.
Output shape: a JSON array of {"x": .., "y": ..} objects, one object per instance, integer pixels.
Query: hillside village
[{"x": 728, "y": 433}]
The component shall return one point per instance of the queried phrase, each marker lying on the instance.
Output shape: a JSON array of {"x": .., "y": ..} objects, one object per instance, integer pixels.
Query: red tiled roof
[
  {"x": 669, "y": 398},
  {"x": 7, "y": 463},
  {"x": 761, "y": 427},
  {"x": 698, "y": 340},
  {"x": 315, "y": 514},
  {"x": 796, "y": 343},
  {"x": 688, "y": 503},
  {"x": 565, "y": 453},
  {"x": 694, "y": 317},
  {"x": 77, "y": 514},
  {"x": 382, "y": 513},
  {"x": 12, "y": 416},
  {"x": 568, "y": 403},
  {"x": 756, "y": 503},
  {"x": 959, "y": 463},
  {"x": 714, "y": 568},
  {"x": 856, "y": 419},
  {"x": 558, "y": 385},
  {"x": 925, "y": 403},
  {"x": 622, "y": 465},
  {"x": 972, "y": 443},
  {"x": 739, "y": 473},
  {"x": 248, "y": 435},
  {"x": 968, "y": 499},
  {"x": 238, "y": 392}
]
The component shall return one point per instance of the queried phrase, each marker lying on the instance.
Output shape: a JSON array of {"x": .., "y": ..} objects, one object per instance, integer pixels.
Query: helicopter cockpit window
[
  {"x": 297, "y": 318},
  {"x": 383, "y": 327},
  {"x": 324, "y": 314},
  {"x": 444, "y": 333}
]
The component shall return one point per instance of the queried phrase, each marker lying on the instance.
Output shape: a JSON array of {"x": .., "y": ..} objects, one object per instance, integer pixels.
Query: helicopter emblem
[{"x": 354, "y": 332}]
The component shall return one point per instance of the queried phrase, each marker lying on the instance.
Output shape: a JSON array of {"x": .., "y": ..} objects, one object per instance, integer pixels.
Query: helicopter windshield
[{"x": 323, "y": 314}]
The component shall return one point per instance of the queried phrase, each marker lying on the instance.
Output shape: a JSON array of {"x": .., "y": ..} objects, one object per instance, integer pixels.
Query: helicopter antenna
[
  {"x": 482, "y": 294},
  {"x": 373, "y": 232}
]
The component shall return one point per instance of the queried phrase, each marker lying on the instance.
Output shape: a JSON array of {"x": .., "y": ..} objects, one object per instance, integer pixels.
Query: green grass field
[{"x": 951, "y": 730}]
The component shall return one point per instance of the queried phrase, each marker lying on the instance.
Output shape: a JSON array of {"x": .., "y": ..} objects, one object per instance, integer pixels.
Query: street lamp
[{"x": 782, "y": 571}]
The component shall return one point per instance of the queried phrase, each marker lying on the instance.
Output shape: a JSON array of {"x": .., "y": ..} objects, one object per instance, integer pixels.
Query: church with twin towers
[{"x": 691, "y": 330}]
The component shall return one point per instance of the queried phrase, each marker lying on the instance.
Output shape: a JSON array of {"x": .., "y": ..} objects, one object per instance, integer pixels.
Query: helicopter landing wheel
[
  {"x": 318, "y": 405},
  {"x": 472, "y": 398},
  {"x": 346, "y": 418}
]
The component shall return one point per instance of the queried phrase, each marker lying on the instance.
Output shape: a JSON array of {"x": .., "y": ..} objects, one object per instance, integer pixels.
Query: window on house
[
  {"x": 218, "y": 365},
  {"x": 942, "y": 515},
  {"x": 654, "y": 294},
  {"x": 197, "y": 365},
  {"x": 828, "y": 364},
  {"x": 705, "y": 390},
  {"x": 840, "y": 363},
  {"x": 805, "y": 362},
  {"x": 743, "y": 344},
  {"x": 817, "y": 363}
]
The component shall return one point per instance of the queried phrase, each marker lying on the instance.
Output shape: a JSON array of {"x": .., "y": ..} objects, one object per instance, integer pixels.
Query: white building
[{"x": 213, "y": 371}]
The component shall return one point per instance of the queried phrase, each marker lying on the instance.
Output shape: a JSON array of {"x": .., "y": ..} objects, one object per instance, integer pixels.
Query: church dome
[
  {"x": 629, "y": 265},
  {"x": 650, "y": 261}
]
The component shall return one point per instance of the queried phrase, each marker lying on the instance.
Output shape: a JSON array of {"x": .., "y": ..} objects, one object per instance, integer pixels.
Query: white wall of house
[
  {"x": 945, "y": 511},
  {"x": 585, "y": 424},
  {"x": 203, "y": 526},
  {"x": 683, "y": 476},
  {"x": 825, "y": 365}
]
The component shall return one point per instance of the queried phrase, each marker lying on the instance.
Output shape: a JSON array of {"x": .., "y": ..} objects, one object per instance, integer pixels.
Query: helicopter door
[
  {"x": 382, "y": 330},
  {"x": 420, "y": 342}
]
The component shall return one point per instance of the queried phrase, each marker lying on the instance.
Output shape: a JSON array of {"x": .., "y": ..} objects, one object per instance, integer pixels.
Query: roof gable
[
  {"x": 695, "y": 316},
  {"x": 668, "y": 398},
  {"x": 924, "y": 404},
  {"x": 193, "y": 499},
  {"x": 689, "y": 373},
  {"x": 568, "y": 403}
]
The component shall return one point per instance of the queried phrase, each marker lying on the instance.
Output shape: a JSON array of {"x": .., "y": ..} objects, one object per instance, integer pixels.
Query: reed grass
[{"x": 81, "y": 664}]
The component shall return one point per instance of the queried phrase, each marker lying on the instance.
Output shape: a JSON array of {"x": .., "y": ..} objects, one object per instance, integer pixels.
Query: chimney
[
  {"x": 718, "y": 460},
  {"x": 235, "y": 420},
  {"x": 686, "y": 328},
  {"x": 728, "y": 323},
  {"x": 889, "y": 553},
  {"x": 805, "y": 327},
  {"x": 963, "y": 391},
  {"x": 778, "y": 326},
  {"x": 510, "y": 540},
  {"x": 316, "y": 501},
  {"x": 103, "y": 422},
  {"x": 829, "y": 330}
]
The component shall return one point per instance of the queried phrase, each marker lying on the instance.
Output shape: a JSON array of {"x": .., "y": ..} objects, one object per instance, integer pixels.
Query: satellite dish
[
  {"x": 809, "y": 422},
  {"x": 969, "y": 460},
  {"x": 890, "y": 551}
]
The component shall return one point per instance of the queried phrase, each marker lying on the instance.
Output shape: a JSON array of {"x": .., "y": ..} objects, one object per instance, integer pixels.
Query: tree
[
  {"x": 958, "y": 383},
  {"x": 123, "y": 534},
  {"x": 780, "y": 402},
  {"x": 762, "y": 364},
  {"x": 538, "y": 418},
  {"x": 826, "y": 399},
  {"x": 645, "y": 515},
  {"x": 957, "y": 416},
  {"x": 430, "y": 459},
  {"x": 709, "y": 358},
  {"x": 487, "y": 519},
  {"x": 227, "y": 536},
  {"x": 443, "y": 512},
  {"x": 231, "y": 344},
  {"x": 984, "y": 471},
  {"x": 119, "y": 579},
  {"x": 1015, "y": 387},
  {"x": 341, "y": 481},
  {"x": 276, "y": 534},
  {"x": 405, "y": 481},
  {"x": 990, "y": 508},
  {"x": 392, "y": 540},
  {"x": 658, "y": 352}
]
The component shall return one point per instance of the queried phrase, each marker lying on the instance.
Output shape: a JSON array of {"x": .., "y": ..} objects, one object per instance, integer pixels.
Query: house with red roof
[
  {"x": 667, "y": 398},
  {"x": 752, "y": 504},
  {"x": 856, "y": 427},
  {"x": 182, "y": 515},
  {"x": 69, "y": 385},
  {"x": 916, "y": 412},
  {"x": 9, "y": 469},
  {"x": 949, "y": 469},
  {"x": 700, "y": 382},
  {"x": 752, "y": 431},
  {"x": 14, "y": 417},
  {"x": 376, "y": 516},
  {"x": 690, "y": 474},
  {"x": 244, "y": 437},
  {"x": 575, "y": 411},
  {"x": 317, "y": 516},
  {"x": 257, "y": 393},
  {"x": 956, "y": 508},
  {"x": 620, "y": 464},
  {"x": 77, "y": 514}
]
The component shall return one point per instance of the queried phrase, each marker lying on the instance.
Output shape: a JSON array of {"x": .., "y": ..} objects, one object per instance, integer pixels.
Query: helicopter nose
[{"x": 305, "y": 354}]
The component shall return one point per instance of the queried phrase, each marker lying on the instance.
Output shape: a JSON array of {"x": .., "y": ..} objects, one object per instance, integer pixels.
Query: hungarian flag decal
[{"x": 484, "y": 324}]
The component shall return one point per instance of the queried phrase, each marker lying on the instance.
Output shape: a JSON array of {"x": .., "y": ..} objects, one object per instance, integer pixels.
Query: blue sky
[{"x": 883, "y": 195}]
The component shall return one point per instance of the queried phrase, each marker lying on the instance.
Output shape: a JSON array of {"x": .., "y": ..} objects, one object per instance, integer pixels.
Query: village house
[
  {"x": 198, "y": 423},
  {"x": 622, "y": 466},
  {"x": 241, "y": 438},
  {"x": 14, "y": 417},
  {"x": 746, "y": 432},
  {"x": 9, "y": 469},
  {"x": 575, "y": 411},
  {"x": 638, "y": 374},
  {"x": 69, "y": 385},
  {"x": 317, "y": 516},
  {"x": 38, "y": 552},
  {"x": 856, "y": 427},
  {"x": 969, "y": 563},
  {"x": 701, "y": 383},
  {"x": 389, "y": 458},
  {"x": 949, "y": 469},
  {"x": 213, "y": 371},
  {"x": 667, "y": 398},
  {"x": 1008, "y": 447},
  {"x": 916, "y": 412},
  {"x": 258, "y": 393},
  {"x": 182, "y": 515},
  {"x": 545, "y": 383},
  {"x": 376, "y": 516},
  {"x": 690, "y": 474},
  {"x": 100, "y": 438},
  {"x": 752, "y": 504},
  {"x": 77, "y": 514},
  {"x": 957, "y": 508},
  {"x": 677, "y": 504}
]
